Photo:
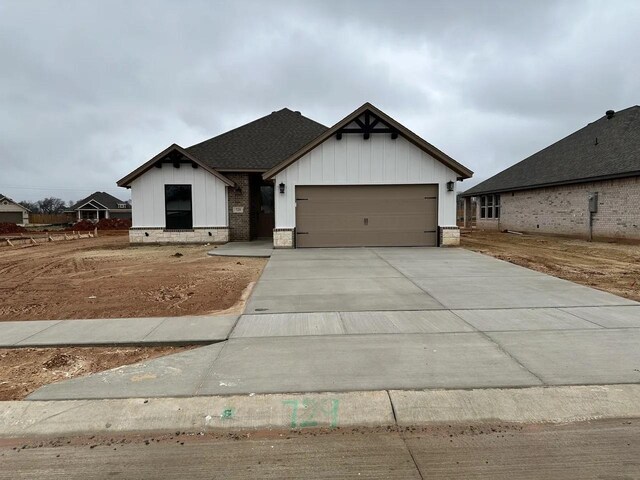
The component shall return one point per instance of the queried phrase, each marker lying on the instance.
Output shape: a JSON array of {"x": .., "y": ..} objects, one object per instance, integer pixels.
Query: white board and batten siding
[
  {"x": 352, "y": 160},
  {"x": 209, "y": 196}
]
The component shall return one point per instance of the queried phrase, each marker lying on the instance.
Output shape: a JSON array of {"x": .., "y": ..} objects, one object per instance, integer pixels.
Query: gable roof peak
[{"x": 400, "y": 129}]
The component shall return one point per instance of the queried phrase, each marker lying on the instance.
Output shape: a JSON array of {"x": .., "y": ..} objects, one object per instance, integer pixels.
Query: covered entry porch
[{"x": 93, "y": 211}]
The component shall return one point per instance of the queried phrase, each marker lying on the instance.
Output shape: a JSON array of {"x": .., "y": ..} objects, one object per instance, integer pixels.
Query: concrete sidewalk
[
  {"x": 314, "y": 410},
  {"x": 349, "y": 351},
  {"x": 117, "y": 331}
]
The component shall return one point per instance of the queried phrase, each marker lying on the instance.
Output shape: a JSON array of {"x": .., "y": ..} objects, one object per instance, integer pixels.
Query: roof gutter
[{"x": 599, "y": 178}]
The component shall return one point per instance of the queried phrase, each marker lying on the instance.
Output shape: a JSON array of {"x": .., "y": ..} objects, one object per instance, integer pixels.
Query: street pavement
[
  {"x": 597, "y": 449},
  {"x": 394, "y": 318}
]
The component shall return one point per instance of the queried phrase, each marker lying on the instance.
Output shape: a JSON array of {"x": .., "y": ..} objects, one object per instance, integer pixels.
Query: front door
[{"x": 266, "y": 217}]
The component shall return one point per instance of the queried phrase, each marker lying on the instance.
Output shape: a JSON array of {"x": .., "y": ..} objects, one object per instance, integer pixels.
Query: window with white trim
[{"x": 490, "y": 206}]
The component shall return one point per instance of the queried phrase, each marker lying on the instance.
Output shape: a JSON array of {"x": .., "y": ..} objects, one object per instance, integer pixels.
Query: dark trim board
[
  {"x": 165, "y": 157},
  {"x": 601, "y": 178}
]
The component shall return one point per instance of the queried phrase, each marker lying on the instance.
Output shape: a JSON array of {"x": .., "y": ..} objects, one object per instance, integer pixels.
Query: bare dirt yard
[
  {"x": 104, "y": 277},
  {"x": 612, "y": 267},
  {"x": 23, "y": 370}
]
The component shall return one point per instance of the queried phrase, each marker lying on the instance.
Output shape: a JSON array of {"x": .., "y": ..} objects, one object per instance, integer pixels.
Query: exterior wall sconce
[
  {"x": 450, "y": 186},
  {"x": 281, "y": 186}
]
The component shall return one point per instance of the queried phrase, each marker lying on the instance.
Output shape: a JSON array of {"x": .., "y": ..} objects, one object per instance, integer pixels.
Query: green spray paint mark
[
  {"x": 294, "y": 411},
  {"x": 227, "y": 413},
  {"x": 308, "y": 412}
]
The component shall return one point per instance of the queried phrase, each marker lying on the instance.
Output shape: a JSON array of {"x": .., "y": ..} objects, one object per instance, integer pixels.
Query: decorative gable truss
[{"x": 367, "y": 124}]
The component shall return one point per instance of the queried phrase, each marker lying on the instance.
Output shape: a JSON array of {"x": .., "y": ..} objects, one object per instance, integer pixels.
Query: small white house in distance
[
  {"x": 100, "y": 205},
  {"x": 366, "y": 181},
  {"x": 13, "y": 212}
]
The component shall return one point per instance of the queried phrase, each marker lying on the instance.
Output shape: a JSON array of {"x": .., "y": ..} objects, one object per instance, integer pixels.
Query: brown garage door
[
  {"x": 11, "y": 217},
  {"x": 366, "y": 215}
]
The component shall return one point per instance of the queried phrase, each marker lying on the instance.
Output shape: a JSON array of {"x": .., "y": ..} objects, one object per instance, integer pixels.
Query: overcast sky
[{"x": 89, "y": 90}]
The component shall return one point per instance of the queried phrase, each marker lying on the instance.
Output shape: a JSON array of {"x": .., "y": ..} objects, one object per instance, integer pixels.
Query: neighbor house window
[
  {"x": 122, "y": 205},
  {"x": 177, "y": 200},
  {"x": 490, "y": 206}
]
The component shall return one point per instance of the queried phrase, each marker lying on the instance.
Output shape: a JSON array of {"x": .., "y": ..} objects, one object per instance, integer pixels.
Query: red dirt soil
[
  {"x": 11, "y": 228},
  {"x": 103, "y": 224},
  {"x": 611, "y": 267},
  {"x": 23, "y": 370},
  {"x": 105, "y": 277}
]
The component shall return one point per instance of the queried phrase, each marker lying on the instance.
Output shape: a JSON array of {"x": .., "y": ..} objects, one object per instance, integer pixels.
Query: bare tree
[
  {"x": 51, "y": 205},
  {"x": 31, "y": 206}
]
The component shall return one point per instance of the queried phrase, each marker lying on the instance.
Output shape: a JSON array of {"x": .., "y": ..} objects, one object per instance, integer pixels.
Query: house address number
[{"x": 238, "y": 209}]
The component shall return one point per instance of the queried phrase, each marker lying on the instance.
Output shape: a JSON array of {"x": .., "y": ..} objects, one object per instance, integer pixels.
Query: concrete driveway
[
  {"x": 395, "y": 318},
  {"x": 372, "y": 279}
]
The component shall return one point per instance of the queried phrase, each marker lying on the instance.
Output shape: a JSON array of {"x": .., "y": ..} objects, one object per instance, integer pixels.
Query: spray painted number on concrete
[{"x": 308, "y": 412}]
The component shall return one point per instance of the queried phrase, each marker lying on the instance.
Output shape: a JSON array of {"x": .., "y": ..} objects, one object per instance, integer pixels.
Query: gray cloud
[{"x": 90, "y": 90}]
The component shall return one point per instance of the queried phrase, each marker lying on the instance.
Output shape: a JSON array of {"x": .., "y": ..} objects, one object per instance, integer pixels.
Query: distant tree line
[{"x": 49, "y": 205}]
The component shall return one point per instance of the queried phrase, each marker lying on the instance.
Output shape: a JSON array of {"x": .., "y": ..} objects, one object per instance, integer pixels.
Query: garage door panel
[
  {"x": 11, "y": 217},
  {"x": 366, "y": 215},
  {"x": 364, "y": 207},
  {"x": 318, "y": 223},
  {"x": 359, "y": 239},
  {"x": 351, "y": 192}
]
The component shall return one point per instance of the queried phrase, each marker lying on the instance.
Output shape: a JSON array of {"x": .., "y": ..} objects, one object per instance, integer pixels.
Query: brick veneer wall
[
  {"x": 197, "y": 235},
  {"x": 284, "y": 238},
  {"x": 563, "y": 210},
  {"x": 239, "y": 223},
  {"x": 449, "y": 236}
]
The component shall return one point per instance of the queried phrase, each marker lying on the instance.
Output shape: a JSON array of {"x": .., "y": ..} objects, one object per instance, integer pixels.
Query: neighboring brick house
[
  {"x": 100, "y": 205},
  {"x": 587, "y": 185},
  {"x": 366, "y": 181}
]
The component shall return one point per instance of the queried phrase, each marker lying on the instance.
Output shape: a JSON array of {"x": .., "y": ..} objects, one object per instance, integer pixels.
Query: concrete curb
[
  {"x": 195, "y": 414},
  {"x": 297, "y": 411},
  {"x": 519, "y": 405}
]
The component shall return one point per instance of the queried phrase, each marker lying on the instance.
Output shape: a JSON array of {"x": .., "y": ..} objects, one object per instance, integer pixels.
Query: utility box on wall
[{"x": 593, "y": 202}]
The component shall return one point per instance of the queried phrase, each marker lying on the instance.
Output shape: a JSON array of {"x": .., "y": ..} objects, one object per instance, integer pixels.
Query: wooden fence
[{"x": 48, "y": 218}]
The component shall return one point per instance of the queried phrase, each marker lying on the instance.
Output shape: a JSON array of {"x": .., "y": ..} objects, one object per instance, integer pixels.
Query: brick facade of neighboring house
[
  {"x": 564, "y": 210},
  {"x": 549, "y": 192}
]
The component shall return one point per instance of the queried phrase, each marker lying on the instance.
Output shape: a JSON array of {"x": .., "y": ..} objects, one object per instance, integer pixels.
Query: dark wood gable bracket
[
  {"x": 175, "y": 158},
  {"x": 372, "y": 124}
]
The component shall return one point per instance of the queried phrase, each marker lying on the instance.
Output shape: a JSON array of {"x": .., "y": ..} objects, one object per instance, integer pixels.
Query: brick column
[{"x": 239, "y": 197}]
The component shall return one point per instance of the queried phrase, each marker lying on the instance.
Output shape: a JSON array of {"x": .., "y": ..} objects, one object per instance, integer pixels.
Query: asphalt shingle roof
[
  {"x": 577, "y": 157},
  {"x": 260, "y": 144},
  {"x": 4, "y": 197},
  {"x": 103, "y": 198}
]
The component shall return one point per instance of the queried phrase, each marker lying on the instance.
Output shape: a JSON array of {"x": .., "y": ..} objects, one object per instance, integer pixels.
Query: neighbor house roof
[
  {"x": 3, "y": 197},
  {"x": 460, "y": 169},
  {"x": 258, "y": 145},
  {"x": 102, "y": 198},
  {"x": 607, "y": 148}
]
